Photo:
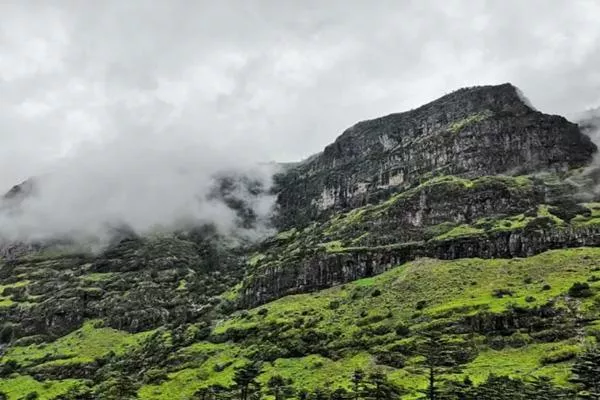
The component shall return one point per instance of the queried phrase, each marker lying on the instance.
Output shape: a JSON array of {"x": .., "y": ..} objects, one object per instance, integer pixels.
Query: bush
[
  {"x": 8, "y": 368},
  {"x": 546, "y": 287},
  {"x": 518, "y": 340},
  {"x": 553, "y": 334},
  {"x": 500, "y": 293},
  {"x": 421, "y": 304},
  {"x": 334, "y": 304},
  {"x": 376, "y": 293},
  {"x": 560, "y": 355},
  {"x": 402, "y": 330},
  {"x": 6, "y": 333},
  {"x": 262, "y": 312},
  {"x": 391, "y": 359},
  {"x": 530, "y": 299},
  {"x": 580, "y": 289}
]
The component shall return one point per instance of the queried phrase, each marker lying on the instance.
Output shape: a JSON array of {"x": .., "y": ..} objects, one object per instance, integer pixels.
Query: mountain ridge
[{"x": 424, "y": 228}]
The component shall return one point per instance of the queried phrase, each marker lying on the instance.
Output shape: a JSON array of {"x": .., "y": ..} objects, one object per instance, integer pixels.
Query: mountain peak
[{"x": 475, "y": 131}]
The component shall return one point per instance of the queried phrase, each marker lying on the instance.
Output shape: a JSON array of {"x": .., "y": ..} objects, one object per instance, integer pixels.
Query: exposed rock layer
[{"x": 472, "y": 132}]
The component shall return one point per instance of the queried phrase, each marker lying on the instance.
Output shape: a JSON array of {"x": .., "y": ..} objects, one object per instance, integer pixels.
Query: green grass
[
  {"x": 459, "y": 125},
  {"x": 461, "y": 230},
  {"x": 519, "y": 363},
  {"x": 98, "y": 276},
  {"x": 333, "y": 246},
  {"x": 6, "y": 301},
  {"x": 217, "y": 369},
  {"x": 449, "y": 291},
  {"x": 315, "y": 371},
  {"x": 79, "y": 347},
  {"x": 18, "y": 387}
]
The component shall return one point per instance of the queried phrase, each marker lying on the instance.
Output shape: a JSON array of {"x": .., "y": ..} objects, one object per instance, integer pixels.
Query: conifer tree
[
  {"x": 279, "y": 387},
  {"x": 586, "y": 371},
  {"x": 380, "y": 388},
  {"x": 439, "y": 356},
  {"x": 245, "y": 379}
]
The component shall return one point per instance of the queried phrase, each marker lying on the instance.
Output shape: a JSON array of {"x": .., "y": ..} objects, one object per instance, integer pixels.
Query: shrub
[
  {"x": 580, "y": 289},
  {"x": 518, "y": 340},
  {"x": 262, "y": 312},
  {"x": 500, "y": 293},
  {"x": 8, "y": 368},
  {"x": 391, "y": 359},
  {"x": 376, "y": 293},
  {"x": 560, "y": 355},
  {"x": 546, "y": 287},
  {"x": 530, "y": 299},
  {"x": 402, "y": 330},
  {"x": 421, "y": 304},
  {"x": 334, "y": 304}
]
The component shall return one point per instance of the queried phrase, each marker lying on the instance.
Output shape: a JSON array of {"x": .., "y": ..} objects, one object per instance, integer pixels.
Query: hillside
[{"x": 472, "y": 222}]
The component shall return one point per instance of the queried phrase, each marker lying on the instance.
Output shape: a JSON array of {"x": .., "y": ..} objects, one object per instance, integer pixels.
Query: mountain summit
[
  {"x": 468, "y": 227},
  {"x": 484, "y": 130}
]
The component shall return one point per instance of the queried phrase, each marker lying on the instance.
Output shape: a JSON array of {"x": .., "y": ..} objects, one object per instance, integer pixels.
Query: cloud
[
  {"x": 108, "y": 86},
  {"x": 146, "y": 182}
]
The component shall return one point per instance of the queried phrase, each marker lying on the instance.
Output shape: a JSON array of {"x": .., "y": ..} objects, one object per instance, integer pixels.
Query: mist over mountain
[
  {"x": 299, "y": 200},
  {"x": 143, "y": 183}
]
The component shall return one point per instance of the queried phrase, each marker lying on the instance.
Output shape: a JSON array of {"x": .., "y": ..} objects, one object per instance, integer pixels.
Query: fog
[
  {"x": 123, "y": 112},
  {"x": 141, "y": 182}
]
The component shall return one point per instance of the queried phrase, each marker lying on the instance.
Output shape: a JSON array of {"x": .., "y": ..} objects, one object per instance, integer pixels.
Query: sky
[
  {"x": 273, "y": 80},
  {"x": 119, "y": 88}
]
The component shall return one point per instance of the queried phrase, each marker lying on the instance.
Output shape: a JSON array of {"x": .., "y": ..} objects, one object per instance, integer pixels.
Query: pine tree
[
  {"x": 245, "y": 379},
  {"x": 380, "y": 388},
  {"x": 461, "y": 390},
  {"x": 439, "y": 356},
  {"x": 357, "y": 383},
  {"x": 501, "y": 388},
  {"x": 279, "y": 387},
  {"x": 586, "y": 371},
  {"x": 319, "y": 394},
  {"x": 339, "y": 394},
  {"x": 543, "y": 388}
]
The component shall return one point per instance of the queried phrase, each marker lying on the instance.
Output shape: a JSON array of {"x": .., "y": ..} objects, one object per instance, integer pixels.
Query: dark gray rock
[{"x": 478, "y": 131}]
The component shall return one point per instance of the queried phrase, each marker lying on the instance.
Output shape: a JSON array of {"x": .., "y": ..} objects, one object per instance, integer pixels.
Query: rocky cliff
[
  {"x": 450, "y": 211},
  {"x": 472, "y": 132},
  {"x": 445, "y": 218}
]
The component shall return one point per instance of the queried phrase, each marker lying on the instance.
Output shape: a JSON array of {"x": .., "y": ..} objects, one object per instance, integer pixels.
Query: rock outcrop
[{"x": 472, "y": 132}]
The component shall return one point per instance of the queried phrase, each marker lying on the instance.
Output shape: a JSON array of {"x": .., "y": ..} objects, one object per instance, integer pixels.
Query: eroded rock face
[
  {"x": 137, "y": 285},
  {"x": 324, "y": 270},
  {"x": 472, "y": 132}
]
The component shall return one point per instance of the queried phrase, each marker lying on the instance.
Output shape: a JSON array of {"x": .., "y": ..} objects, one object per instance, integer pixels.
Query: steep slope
[
  {"x": 446, "y": 217},
  {"x": 472, "y": 132},
  {"x": 535, "y": 328},
  {"x": 468, "y": 217}
]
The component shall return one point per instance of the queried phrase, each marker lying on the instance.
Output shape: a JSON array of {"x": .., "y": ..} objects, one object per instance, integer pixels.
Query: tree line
[{"x": 437, "y": 363}]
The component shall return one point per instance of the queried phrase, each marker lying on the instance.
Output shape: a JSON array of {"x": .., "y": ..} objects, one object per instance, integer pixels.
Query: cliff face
[
  {"x": 472, "y": 132},
  {"x": 458, "y": 177},
  {"x": 444, "y": 218}
]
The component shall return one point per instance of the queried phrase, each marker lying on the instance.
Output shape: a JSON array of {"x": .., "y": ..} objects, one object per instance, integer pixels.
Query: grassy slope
[
  {"x": 82, "y": 346},
  {"x": 18, "y": 387},
  {"x": 450, "y": 290}
]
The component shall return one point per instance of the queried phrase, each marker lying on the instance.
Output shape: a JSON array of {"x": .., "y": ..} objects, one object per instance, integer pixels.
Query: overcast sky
[{"x": 267, "y": 80}]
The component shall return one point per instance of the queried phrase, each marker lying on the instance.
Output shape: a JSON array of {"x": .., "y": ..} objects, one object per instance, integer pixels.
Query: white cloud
[{"x": 261, "y": 80}]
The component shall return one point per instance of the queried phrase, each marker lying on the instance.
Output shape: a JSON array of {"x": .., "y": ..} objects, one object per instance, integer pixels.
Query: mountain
[{"x": 471, "y": 222}]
